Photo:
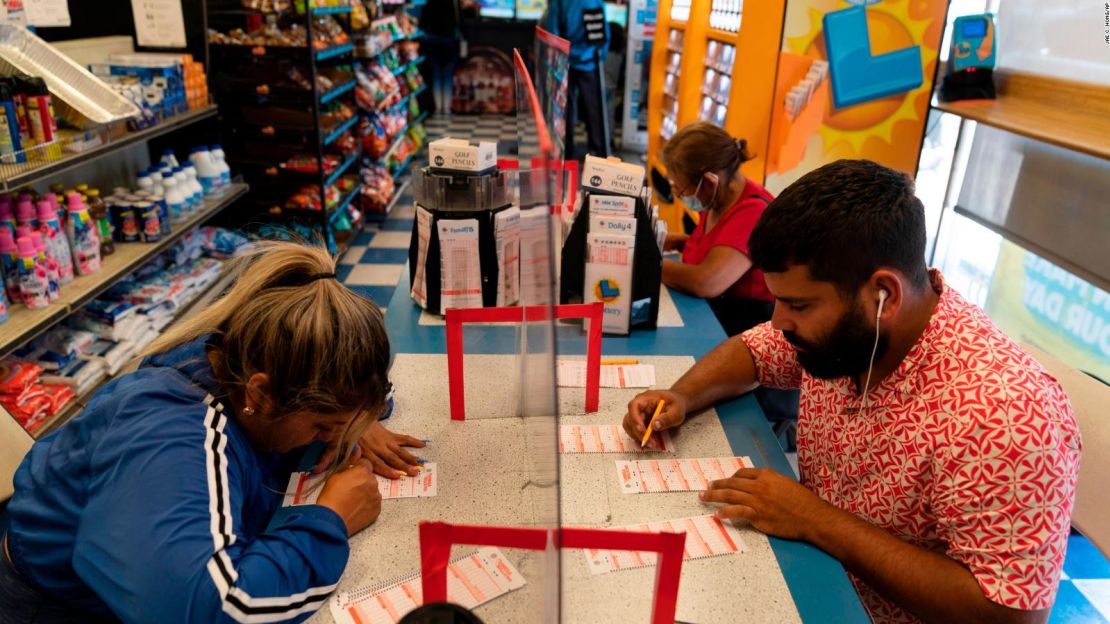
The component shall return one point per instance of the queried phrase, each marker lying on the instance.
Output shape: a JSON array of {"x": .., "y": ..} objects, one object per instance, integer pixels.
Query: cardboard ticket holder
[
  {"x": 456, "y": 318},
  {"x": 437, "y": 538},
  {"x": 647, "y": 262},
  {"x": 458, "y": 196}
]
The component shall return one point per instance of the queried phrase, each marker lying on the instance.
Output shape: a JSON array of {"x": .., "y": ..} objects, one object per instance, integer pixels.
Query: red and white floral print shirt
[{"x": 969, "y": 449}]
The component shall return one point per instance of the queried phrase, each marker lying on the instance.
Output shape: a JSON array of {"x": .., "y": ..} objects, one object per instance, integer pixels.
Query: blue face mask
[{"x": 693, "y": 203}]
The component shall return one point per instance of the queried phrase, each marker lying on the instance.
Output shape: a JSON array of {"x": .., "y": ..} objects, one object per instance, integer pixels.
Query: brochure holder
[{"x": 644, "y": 279}]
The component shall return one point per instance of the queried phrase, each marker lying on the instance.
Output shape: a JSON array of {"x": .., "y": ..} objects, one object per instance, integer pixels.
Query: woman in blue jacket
[{"x": 157, "y": 502}]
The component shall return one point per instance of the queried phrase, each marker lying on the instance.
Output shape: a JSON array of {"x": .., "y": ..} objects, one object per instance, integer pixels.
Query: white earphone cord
[{"x": 874, "y": 350}]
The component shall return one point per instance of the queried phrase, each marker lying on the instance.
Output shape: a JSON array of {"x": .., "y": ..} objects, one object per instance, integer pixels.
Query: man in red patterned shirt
[{"x": 946, "y": 486}]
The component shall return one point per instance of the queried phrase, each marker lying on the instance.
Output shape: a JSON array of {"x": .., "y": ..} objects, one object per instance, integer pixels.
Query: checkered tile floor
[{"x": 373, "y": 265}]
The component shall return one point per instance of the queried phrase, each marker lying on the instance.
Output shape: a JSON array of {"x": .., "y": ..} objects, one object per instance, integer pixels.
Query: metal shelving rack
[
  {"x": 397, "y": 172},
  {"x": 259, "y": 150}
]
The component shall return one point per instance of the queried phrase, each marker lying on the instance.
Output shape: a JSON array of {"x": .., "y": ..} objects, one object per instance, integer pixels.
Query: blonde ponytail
[{"x": 323, "y": 346}]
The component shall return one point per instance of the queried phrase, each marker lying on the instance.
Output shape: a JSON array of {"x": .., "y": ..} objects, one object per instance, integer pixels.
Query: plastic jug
[
  {"x": 56, "y": 241},
  {"x": 34, "y": 287},
  {"x": 83, "y": 239}
]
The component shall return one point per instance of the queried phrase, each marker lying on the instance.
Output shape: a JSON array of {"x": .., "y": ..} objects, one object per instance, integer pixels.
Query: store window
[{"x": 1029, "y": 297}]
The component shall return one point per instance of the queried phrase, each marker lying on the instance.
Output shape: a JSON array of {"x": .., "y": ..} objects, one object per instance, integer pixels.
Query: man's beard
[{"x": 843, "y": 352}]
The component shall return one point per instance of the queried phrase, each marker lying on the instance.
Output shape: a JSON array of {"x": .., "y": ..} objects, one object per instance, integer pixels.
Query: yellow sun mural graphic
[{"x": 887, "y": 130}]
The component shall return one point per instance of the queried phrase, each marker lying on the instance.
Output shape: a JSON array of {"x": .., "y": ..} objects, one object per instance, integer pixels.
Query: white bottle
[
  {"x": 156, "y": 185},
  {"x": 217, "y": 152},
  {"x": 168, "y": 158},
  {"x": 207, "y": 172},
  {"x": 175, "y": 199},
  {"x": 145, "y": 181},
  {"x": 194, "y": 186},
  {"x": 182, "y": 185}
]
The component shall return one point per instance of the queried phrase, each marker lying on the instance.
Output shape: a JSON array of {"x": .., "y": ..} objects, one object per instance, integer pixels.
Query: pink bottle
[
  {"x": 84, "y": 241},
  {"x": 56, "y": 241},
  {"x": 7, "y": 217},
  {"x": 9, "y": 262},
  {"x": 34, "y": 286},
  {"x": 25, "y": 214},
  {"x": 48, "y": 263}
]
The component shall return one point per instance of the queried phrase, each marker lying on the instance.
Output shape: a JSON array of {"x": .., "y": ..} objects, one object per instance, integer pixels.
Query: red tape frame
[
  {"x": 456, "y": 317},
  {"x": 436, "y": 539}
]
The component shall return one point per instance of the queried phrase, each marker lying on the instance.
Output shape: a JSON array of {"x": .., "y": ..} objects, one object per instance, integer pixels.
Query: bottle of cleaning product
[
  {"x": 194, "y": 184},
  {"x": 56, "y": 241},
  {"x": 207, "y": 172},
  {"x": 34, "y": 287},
  {"x": 175, "y": 200},
  {"x": 98, "y": 211},
  {"x": 168, "y": 158},
  {"x": 82, "y": 235},
  {"x": 182, "y": 185},
  {"x": 25, "y": 213},
  {"x": 53, "y": 199},
  {"x": 158, "y": 196},
  {"x": 144, "y": 181},
  {"x": 48, "y": 263},
  {"x": 3, "y": 301},
  {"x": 155, "y": 180},
  {"x": 9, "y": 263},
  {"x": 218, "y": 156},
  {"x": 7, "y": 218}
]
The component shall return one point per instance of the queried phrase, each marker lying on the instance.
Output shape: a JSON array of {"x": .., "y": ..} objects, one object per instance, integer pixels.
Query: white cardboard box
[
  {"x": 460, "y": 155},
  {"x": 613, "y": 176}
]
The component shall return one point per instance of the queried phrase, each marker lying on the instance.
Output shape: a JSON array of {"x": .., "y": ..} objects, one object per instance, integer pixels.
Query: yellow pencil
[
  {"x": 618, "y": 362},
  {"x": 647, "y": 434}
]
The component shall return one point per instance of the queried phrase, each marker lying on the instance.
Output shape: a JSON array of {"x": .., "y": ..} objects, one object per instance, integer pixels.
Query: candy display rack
[{"x": 289, "y": 121}]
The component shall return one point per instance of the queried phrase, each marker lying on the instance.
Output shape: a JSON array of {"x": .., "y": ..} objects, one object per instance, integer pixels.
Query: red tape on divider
[
  {"x": 436, "y": 539},
  {"x": 457, "y": 317}
]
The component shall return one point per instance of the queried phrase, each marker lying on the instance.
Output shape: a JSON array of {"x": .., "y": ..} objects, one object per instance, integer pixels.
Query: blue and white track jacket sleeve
[{"x": 161, "y": 538}]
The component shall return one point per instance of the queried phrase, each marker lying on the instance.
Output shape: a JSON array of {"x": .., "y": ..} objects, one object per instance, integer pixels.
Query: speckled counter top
[{"x": 484, "y": 479}]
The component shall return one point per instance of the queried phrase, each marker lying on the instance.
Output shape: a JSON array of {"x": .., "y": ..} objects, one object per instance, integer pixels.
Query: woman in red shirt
[{"x": 703, "y": 163}]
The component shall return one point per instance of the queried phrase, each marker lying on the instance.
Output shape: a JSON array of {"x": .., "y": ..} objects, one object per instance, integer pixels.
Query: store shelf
[
  {"x": 408, "y": 97},
  {"x": 33, "y": 172},
  {"x": 337, "y": 91},
  {"x": 342, "y": 206},
  {"x": 723, "y": 36},
  {"x": 331, "y": 10},
  {"x": 235, "y": 51},
  {"x": 23, "y": 324},
  {"x": 323, "y": 55},
  {"x": 413, "y": 63},
  {"x": 226, "y": 279},
  {"x": 339, "y": 130},
  {"x": 419, "y": 119},
  {"x": 342, "y": 168},
  {"x": 398, "y": 191},
  {"x": 1067, "y": 114},
  {"x": 403, "y": 167}
]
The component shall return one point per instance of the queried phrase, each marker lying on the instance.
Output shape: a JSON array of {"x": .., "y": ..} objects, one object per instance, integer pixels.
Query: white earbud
[{"x": 883, "y": 294}]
